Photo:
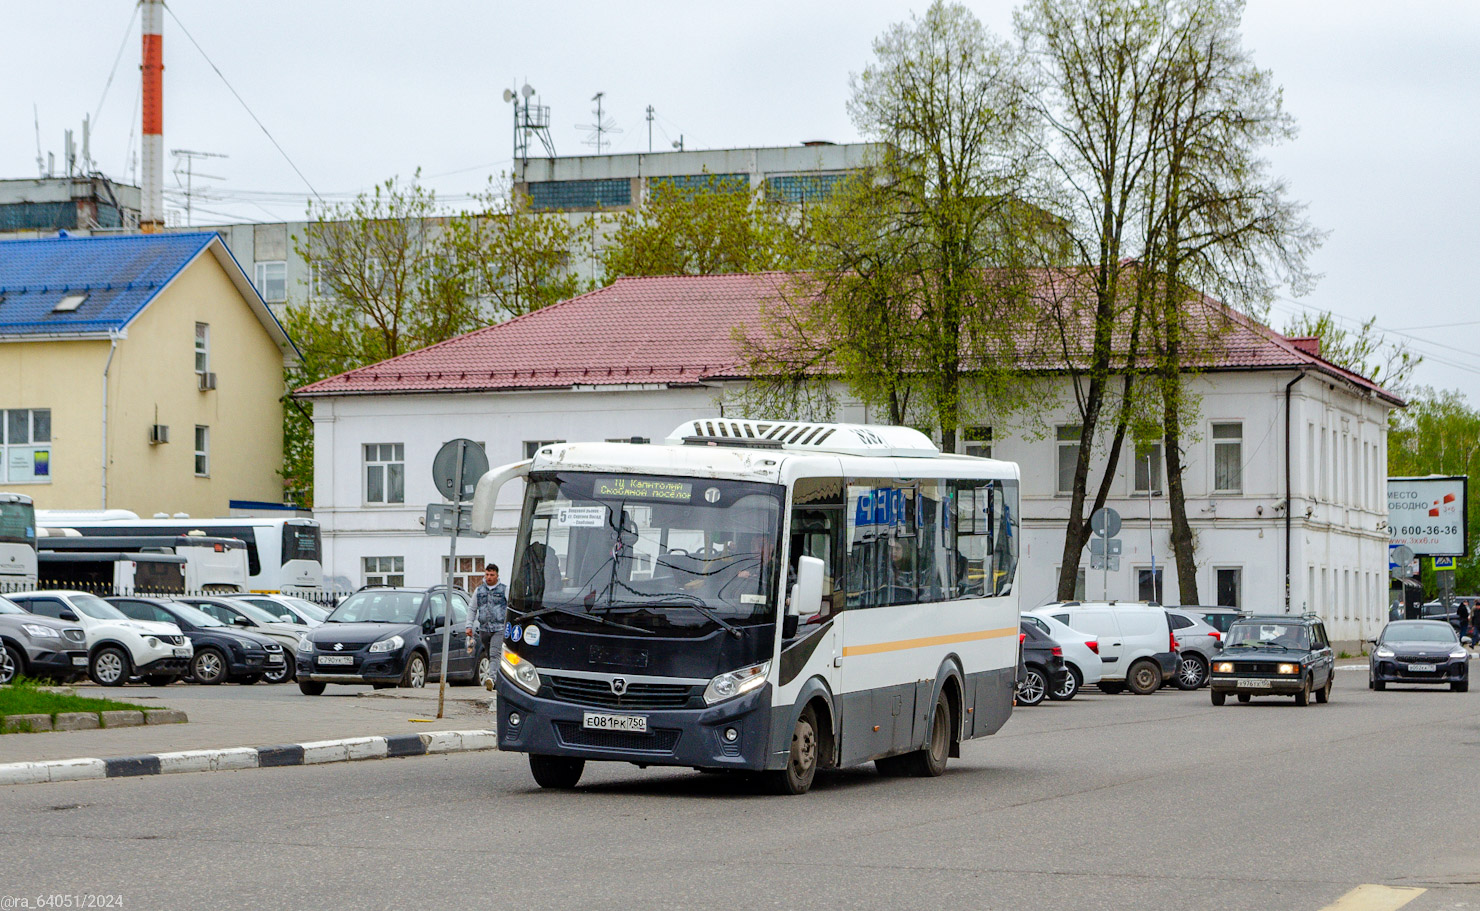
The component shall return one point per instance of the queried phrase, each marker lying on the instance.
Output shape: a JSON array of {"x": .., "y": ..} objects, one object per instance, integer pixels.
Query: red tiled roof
[{"x": 682, "y": 329}]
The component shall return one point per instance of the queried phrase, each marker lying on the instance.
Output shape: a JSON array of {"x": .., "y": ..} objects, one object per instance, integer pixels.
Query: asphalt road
[{"x": 1105, "y": 802}]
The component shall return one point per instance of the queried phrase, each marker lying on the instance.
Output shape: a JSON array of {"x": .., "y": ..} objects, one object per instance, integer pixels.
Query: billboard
[{"x": 1429, "y": 515}]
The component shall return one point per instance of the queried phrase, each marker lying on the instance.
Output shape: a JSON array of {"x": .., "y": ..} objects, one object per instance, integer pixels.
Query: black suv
[
  {"x": 1275, "y": 655},
  {"x": 222, "y": 653},
  {"x": 388, "y": 636},
  {"x": 1041, "y": 669}
]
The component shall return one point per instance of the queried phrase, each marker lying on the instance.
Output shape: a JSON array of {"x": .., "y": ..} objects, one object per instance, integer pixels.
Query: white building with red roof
[{"x": 638, "y": 357}]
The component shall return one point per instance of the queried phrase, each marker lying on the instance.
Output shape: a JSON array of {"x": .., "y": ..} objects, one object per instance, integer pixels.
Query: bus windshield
[
  {"x": 17, "y": 523},
  {"x": 300, "y": 542},
  {"x": 665, "y": 554}
]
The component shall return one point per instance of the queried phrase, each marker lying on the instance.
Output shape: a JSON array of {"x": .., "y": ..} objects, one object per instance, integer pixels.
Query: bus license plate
[
  {"x": 594, "y": 721},
  {"x": 1423, "y": 668},
  {"x": 1253, "y": 684},
  {"x": 336, "y": 659}
]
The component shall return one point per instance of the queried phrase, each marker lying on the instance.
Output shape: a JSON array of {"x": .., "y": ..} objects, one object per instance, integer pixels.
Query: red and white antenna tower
[{"x": 151, "y": 214}]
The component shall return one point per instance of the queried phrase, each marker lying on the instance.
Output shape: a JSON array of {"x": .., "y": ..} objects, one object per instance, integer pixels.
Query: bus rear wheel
[
  {"x": 931, "y": 761},
  {"x": 801, "y": 762}
]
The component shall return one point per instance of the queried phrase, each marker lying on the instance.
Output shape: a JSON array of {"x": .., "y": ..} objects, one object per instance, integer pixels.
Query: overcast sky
[{"x": 1386, "y": 96}]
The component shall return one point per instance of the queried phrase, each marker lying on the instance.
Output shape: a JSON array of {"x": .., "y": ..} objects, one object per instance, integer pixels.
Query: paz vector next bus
[{"x": 759, "y": 596}]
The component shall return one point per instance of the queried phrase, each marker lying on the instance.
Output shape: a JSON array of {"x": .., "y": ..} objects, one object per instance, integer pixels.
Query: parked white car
[
  {"x": 1081, "y": 654},
  {"x": 304, "y": 614},
  {"x": 1137, "y": 648},
  {"x": 118, "y": 648}
]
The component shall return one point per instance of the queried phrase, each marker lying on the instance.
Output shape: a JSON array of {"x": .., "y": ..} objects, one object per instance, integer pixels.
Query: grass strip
[{"x": 25, "y": 697}]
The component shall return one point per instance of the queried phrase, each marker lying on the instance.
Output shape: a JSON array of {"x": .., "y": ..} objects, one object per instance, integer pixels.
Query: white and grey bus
[
  {"x": 760, "y": 596},
  {"x": 17, "y": 542},
  {"x": 283, "y": 554}
]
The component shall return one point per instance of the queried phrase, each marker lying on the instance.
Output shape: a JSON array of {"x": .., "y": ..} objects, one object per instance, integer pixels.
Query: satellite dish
[
  {"x": 527, "y": 90},
  {"x": 508, "y": 94}
]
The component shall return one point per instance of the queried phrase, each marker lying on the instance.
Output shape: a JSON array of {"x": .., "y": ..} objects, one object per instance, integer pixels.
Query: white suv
[
  {"x": 118, "y": 648},
  {"x": 1137, "y": 648}
]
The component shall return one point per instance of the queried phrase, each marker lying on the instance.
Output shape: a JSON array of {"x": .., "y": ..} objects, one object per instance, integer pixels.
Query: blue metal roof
[{"x": 120, "y": 276}]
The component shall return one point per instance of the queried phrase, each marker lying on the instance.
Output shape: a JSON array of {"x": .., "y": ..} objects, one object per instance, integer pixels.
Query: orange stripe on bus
[{"x": 903, "y": 644}]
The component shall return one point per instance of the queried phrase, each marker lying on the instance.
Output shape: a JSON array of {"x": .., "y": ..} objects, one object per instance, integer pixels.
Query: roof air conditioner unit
[
  {"x": 207, "y": 381},
  {"x": 159, "y": 433}
]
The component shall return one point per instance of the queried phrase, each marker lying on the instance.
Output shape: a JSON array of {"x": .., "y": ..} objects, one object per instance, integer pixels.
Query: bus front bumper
[{"x": 730, "y": 735}]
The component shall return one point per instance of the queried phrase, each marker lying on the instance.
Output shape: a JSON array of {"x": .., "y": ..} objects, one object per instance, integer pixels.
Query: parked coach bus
[
  {"x": 769, "y": 597},
  {"x": 17, "y": 542},
  {"x": 282, "y": 554},
  {"x": 210, "y": 564},
  {"x": 113, "y": 572}
]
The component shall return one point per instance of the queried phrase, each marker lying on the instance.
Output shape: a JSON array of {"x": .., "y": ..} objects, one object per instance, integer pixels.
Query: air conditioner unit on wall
[
  {"x": 159, "y": 433},
  {"x": 207, "y": 381}
]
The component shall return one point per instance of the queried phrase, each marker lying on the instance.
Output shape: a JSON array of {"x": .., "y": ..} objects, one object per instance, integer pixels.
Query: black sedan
[
  {"x": 1418, "y": 651},
  {"x": 222, "y": 653},
  {"x": 385, "y": 637},
  {"x": 1041, "y": 668}
]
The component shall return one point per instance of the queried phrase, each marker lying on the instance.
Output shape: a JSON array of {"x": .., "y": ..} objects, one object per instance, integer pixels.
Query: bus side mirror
[{"x": 806, "y": 594}]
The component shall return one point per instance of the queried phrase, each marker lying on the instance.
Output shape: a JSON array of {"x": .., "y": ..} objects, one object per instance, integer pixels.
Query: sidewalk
[{"x": 235, "y": 716}]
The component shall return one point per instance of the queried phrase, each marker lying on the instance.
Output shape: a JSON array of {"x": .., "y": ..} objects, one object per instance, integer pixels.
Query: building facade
[
  {"x": 636, "y": 359},
  {"x": 138, "y": 372}
]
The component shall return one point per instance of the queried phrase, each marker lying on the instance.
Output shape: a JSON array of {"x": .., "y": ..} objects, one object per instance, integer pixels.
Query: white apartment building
[{"x": 639, "y": 357}]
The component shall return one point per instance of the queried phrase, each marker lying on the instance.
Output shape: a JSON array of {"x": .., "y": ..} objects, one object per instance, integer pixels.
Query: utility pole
[{"x": 189, "y": 158}]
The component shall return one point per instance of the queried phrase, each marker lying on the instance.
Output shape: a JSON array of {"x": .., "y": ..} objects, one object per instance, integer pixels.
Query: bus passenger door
[{"x": 811, "y": 645}]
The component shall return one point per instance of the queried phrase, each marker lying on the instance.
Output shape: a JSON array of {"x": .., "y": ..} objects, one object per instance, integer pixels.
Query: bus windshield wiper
[
  {"x": 575, "y": 613},
  {"x": 697, "y": 604}
]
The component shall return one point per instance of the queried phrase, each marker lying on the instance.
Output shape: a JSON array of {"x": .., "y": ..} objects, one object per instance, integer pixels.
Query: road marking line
[{"x": 1368, "y": 897}]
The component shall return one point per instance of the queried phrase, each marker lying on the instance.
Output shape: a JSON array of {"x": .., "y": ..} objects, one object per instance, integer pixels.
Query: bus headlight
[
  {"x": 728, "y": 686},
  {"x": 521, "y": 672}
]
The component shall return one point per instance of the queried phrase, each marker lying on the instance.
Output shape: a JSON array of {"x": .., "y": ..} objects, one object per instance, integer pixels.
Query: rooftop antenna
[
  {"x": 678, "y": 143},
  {"x": 529, "y": 118},
  {"x": 40, "y": 160},
  {"x": 189, "y": 157},
  {"x": 600, "y": 128},
  {"x": 650, "y": 127}
]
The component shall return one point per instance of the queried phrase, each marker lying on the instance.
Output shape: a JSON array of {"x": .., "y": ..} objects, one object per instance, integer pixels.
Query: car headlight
[
  {"x": 1383, "y": 652},
  {"x": 1289, "y": 669},
  {"x": 388, "y": 645},
  {"x": 305, "y": 644},
  {"x": 1458, "y": 652},
  {"x": 728, "y": 686},
  {"x": 1223, "y": 667},
  {"x": 37, "y": 631},
  {"x": 524, "y": 674}
]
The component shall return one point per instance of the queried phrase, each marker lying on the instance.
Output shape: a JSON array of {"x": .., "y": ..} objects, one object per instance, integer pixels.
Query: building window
[
  {"x": 1068, "y": 435},
  {"x": 1230, "y": 586},
  {"x": 385, "y": 473},
  {"x": 1149, "y": 467},
  {"x": 1148, "y": 585},
  {"x": 556, "y": 195},
  {"x": 202, "y": 348},
  {"x": 469, "y": 573},
  {"x": 799, "y": 188},
  {"x": 1228, "y": 458},
  {"x": 320, "y": 281},
  {"x": 533, "y": 446},
  {"x": 689, "y": 184},
  {"x": 272, "y": 281},
  {"x": 25, "y": 445},
  {"x": 1079, "y": 583},
  {"x": 202, "y": 451},
  {"x": 977, "y": 441},
  {"x": 384, "y": 570}
]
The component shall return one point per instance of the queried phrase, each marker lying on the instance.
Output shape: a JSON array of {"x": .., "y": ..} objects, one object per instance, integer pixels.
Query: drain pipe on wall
[
  {"x": 112, "y": 348},
  {"x": 1289, "y": 503}
]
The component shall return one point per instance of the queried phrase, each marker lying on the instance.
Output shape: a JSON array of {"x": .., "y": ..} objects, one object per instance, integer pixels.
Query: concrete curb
[{"x": 350, "y": 749}]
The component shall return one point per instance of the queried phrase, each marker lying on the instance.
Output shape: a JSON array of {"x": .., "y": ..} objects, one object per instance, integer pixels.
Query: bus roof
[
  {"x": 806, "y": 436},
  {"x": 106, "y": 556}
]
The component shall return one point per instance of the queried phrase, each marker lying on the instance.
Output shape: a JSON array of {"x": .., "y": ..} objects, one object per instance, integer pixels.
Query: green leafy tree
[
  {"x": 1439, "y": 433},
  {"x": 714, "y": 227},
  {"x": 519, "y": 260},
  {"x": 1365, "y": 350}
]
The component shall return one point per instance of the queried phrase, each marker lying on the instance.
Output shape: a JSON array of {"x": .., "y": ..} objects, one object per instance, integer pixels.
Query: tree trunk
[{"x": 1183, "y": 549}]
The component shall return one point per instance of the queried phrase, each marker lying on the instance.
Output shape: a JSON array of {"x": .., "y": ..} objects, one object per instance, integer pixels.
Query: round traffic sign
[
  {"x": 1105, "y": 522},
  {"x": 444, "y": 468}
]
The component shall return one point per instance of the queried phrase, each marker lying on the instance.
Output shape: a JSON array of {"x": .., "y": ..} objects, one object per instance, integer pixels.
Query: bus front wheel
[
  {"x": 558, "y": 772},
  {"x": 801, "y": 763}
]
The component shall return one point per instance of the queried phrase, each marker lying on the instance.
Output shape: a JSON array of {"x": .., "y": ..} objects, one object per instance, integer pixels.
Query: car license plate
[
  {"x": 594, "y": 721},
  {"x": 1255, "y": 684},
  {"x": 79, "y": 661},
  {"x": 1423, "y": 668},
  {"x": 276, "y": 658},
  {"x": 182, "y": 653},
  {"x": 336, "y": 659}
]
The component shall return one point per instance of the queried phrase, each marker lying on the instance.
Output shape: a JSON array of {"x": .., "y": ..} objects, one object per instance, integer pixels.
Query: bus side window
[{"x": 817, "y": 531}]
